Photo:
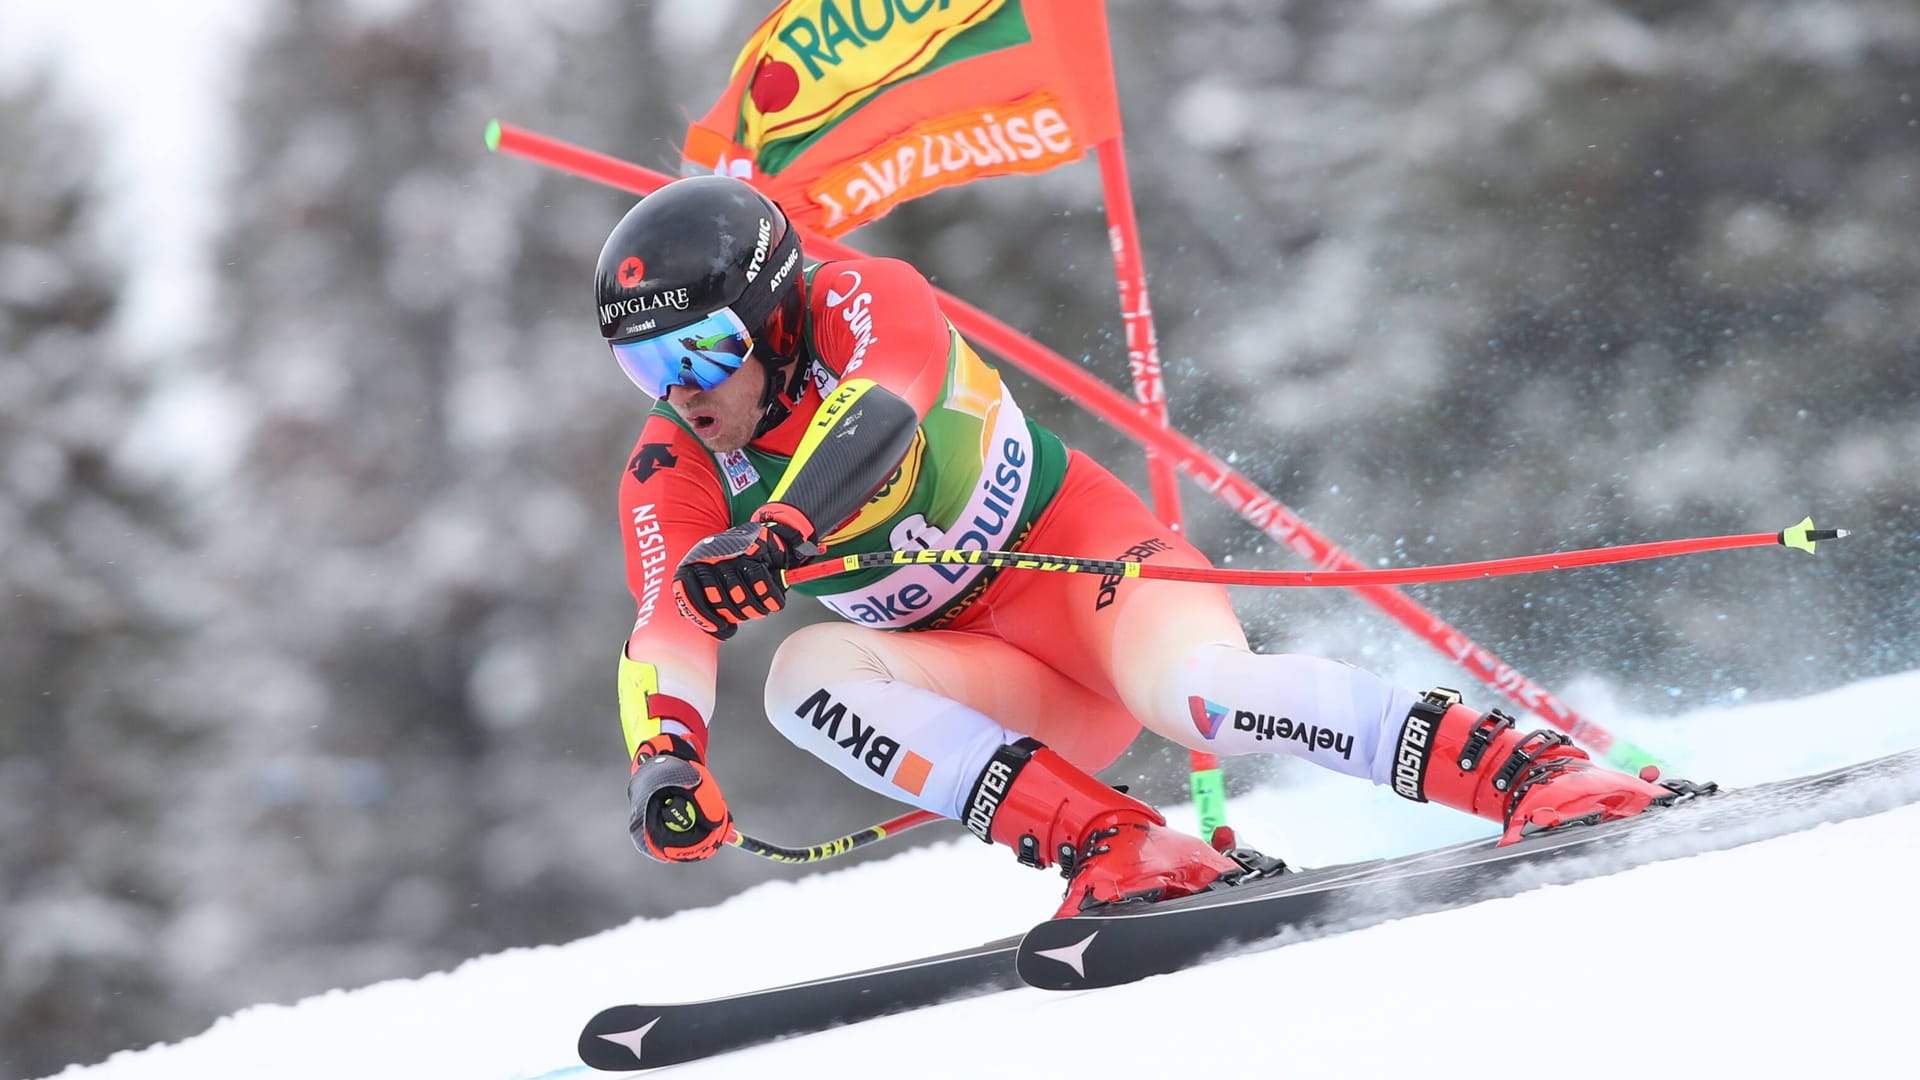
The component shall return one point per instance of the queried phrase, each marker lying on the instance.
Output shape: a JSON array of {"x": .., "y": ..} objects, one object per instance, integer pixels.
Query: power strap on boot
[
  {"x": 1416, "y": 742},
  {"x": 1524, "y": 752},
  {"x": 990, "y": 790},
  {"x": 1484, "y": 732}
]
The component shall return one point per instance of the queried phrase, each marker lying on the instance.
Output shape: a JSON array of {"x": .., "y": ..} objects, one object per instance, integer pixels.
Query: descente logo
[{"x": 1110, "y": 583}]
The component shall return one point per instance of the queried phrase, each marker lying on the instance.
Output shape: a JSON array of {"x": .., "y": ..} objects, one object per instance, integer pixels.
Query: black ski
[
  {"x": 1132, "y": 941},
  {"x": 628, "y": 1037}
]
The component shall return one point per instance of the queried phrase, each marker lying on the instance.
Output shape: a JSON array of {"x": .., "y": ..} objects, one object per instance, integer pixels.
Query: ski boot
[
  {"x": 1110, "y": 847},
  {"x": 1478, "y": 763}
]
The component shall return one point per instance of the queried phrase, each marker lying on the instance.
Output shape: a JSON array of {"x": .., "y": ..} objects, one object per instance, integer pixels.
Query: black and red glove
[
  {"x": 675, "y": 810},
  {"x": 734, "y": 576}
]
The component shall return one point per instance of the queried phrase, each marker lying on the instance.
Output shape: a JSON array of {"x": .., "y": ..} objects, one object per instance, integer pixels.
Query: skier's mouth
[{"x": 703, "y": 424}]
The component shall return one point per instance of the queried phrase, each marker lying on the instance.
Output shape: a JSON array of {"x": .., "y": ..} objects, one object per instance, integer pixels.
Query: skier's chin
[{"x": 723, "y": 442}]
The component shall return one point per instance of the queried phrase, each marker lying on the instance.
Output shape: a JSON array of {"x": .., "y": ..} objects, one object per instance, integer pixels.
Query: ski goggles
[{"x": 700, "y": 354}]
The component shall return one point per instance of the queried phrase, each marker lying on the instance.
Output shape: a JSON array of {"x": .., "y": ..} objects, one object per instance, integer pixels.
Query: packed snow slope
[{"x": 1792, "y": 957}]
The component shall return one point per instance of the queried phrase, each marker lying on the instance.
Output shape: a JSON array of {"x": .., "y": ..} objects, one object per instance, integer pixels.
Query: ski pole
[
  {"x": 1802, "y": 536},
  {"x": 1205, "y": 781},
  {"x": 1257, "y": 507},
  {"x": 831, "y": 849}
]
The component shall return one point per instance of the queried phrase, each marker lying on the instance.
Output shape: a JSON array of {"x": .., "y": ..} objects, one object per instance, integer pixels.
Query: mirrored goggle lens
[{"x": 701, "y": 355}]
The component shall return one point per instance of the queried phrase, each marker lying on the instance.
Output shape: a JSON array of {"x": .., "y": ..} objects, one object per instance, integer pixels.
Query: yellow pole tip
[{"x": 1796, "y": 536}]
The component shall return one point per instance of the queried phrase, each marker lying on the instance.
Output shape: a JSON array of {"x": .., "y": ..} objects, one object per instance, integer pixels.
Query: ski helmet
[{"x": 697, "y": 277}]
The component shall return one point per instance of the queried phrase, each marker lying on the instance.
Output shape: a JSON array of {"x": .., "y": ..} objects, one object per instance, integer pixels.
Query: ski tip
[
  {"x": 493, "y": 134},
  {"x": 613, "y": 1039},
  {"x": 1805, "y": 537}
]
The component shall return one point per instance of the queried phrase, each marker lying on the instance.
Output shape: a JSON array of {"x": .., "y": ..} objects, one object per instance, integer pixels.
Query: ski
[
  {"x": 1126, "y": 942},
  {"x": 628, "y": 1037},
  {"x": 1132, "y": 941}
]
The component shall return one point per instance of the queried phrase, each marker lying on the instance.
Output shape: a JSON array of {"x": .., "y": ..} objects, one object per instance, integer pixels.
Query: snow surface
[{"x": 1791, "y": 957}]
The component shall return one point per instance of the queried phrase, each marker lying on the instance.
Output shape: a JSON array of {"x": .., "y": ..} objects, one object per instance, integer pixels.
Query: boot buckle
[
  {"x": 1523, "y": 755},
  {"x": 1482, "y": 737}
]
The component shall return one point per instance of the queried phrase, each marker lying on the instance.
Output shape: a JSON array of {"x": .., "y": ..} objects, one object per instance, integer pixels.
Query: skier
[{"x": 803, "y": 409}]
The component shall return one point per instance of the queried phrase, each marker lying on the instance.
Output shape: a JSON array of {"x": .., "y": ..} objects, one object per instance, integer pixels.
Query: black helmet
[{"x": 699, "y": 275}]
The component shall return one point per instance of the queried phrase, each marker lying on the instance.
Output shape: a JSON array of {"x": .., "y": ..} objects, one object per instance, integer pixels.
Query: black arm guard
[{"x": 855, "y": 442}]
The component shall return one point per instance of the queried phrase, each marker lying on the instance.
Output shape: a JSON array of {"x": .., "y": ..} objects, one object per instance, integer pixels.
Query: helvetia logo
[
  {"x": 1207, "y": 717},
  {"x": 1265, "y": 726}
]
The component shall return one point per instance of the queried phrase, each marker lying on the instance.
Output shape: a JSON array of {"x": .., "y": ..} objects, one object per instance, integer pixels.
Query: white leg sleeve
[
  {"x": 1229, "y": 701},
  {"x": 839, "y": 703}
]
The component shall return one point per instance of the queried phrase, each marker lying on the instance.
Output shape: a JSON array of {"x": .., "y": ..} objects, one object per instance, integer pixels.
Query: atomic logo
[
  {"x": 631, "y": 271},
  {"x": 1207, "y": 717}
]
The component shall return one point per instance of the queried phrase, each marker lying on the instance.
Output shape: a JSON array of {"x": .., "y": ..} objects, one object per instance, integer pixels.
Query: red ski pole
[{"x": 1803, "y": 536}]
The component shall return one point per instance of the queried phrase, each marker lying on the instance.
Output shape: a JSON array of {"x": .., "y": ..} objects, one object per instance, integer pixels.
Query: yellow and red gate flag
[{"x": 843, "y": 109}]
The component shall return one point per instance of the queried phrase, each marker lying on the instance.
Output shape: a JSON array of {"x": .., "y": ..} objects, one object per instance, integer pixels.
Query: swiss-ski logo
[{"x": 739, "y": 471}]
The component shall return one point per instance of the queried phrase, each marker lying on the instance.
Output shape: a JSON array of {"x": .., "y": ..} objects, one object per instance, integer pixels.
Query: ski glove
[
  {"x": 675, "y": 810},
  {"x": 734, "y": 576}
]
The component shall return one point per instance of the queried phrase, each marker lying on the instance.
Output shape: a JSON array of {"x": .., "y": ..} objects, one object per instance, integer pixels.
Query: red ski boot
[
  {"x": 1456, "y": 757},
  {"x": 1109, "y": 847}
]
